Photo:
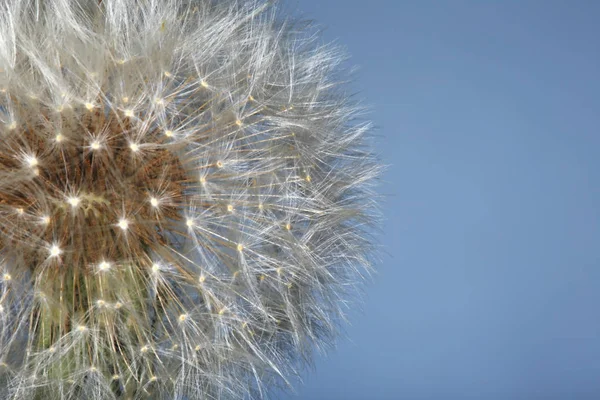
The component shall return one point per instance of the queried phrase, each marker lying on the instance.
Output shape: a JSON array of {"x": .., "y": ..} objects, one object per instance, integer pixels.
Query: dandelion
[{"x": 201, "y": 202}]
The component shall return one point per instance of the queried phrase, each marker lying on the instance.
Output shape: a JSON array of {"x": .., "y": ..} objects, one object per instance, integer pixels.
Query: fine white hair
[{"x": 186, "y": 199}]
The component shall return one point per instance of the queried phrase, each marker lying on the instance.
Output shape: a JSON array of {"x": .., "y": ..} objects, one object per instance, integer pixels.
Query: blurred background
[{"x": 488, "y": 114}]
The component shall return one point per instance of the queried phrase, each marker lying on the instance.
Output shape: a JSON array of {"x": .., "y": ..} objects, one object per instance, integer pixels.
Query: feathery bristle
[{"x": 185, "y": 199}]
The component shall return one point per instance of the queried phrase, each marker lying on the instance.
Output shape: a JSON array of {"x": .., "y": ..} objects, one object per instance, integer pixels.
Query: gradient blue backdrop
[{"x": 489, "y": 116}]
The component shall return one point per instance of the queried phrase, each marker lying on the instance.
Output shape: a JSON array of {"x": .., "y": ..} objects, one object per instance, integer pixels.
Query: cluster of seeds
[{"x": 184, "y": 199}]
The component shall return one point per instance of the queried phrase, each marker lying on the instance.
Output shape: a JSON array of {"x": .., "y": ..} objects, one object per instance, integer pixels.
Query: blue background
[{"x": 488, "y": 114}]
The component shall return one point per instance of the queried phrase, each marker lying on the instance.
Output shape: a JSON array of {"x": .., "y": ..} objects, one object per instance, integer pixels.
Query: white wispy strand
[{"x": 186, "y": 200}]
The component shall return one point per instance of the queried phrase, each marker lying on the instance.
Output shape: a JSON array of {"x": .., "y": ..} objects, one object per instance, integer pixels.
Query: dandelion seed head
[{"x": 146, "y": 186}]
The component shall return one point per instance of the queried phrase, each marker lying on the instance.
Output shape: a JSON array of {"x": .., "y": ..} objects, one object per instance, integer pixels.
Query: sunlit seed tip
[
  {"x": 168, "y": 133},
  {"x": 153, "y": 201},
  {"x": 55, "y": 251},
  {"x": 100, "y": 303},
  {"x": 203, "y": 83},
  {"x": 59, "y": 138},
  {"x": 159, "y": 101},
  {"x": 45, "y": 220},
  {"x": 153, "y": 379},
  {"x": 308, "y": 179},
  {"x": 12, "y": 126},
  {"x": 262, "y": 278},
  {"x": 250, "y": 98},
  {"x": 95, "y": 145},
  {"x": 202, "y": 279},
  {"x": 197, "y": 348},
  {"x": 288, "y": 226},
  {"x": 168, "y": 74},
  {"x": 222, "y": 311},
  {"x": 125, "y": 100},
  {"x": 230, "y": 207},
  {"x": 52, "y": 349},
  {"x": 6, "y": 277},
  {"x": 74, "y": 201},
  {"x": 260, "y": 206},
  {"x": 220, "y": 164},
  {"x": 155, "y": 267},
  {"x": 134, "y": 147},
  {"x": 189, "y": 222},
  {"x": 183, "y": 317},
  {"x": 31, "y": 161},
  {"x": 238, "y": 122},
  {"x": 240, "y": 247},
  {"x": 89, "y": 106},
  {"x": 82, "y": 328},
  {"x": 118, "y": 305},
  {"x": 123, "y": 224},
  {"x": 145, "y": 349},
  {"x": 104, "y": 266},
  {"x": 20, "y": 211},
  {"x": 129, "y": 113},
  {"x": 116, "y": 377},
  {"x": 202, "y": 180},
  {"x": 279, "y": 270}
]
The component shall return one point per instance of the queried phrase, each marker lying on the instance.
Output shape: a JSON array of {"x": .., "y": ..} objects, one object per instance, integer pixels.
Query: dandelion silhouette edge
[{"x": 186, "y": 198}]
